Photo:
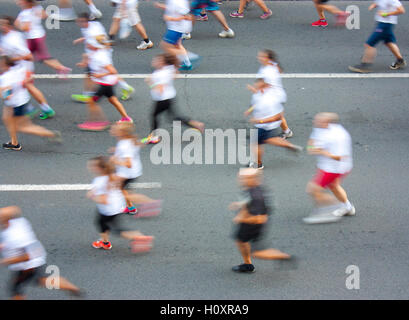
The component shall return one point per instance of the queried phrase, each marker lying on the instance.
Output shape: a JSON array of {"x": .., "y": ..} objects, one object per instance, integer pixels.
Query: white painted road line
[
  {"x": 70, "y": 187},
  {"x": 251, "y": 76}
]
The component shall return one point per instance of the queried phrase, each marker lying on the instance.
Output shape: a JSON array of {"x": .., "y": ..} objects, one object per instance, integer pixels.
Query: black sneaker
[
  {"x": 9, "y": 146},
  {"x": 246, "y": 268},
  {"x": 361, "y": 68},
  {"x": 399, "y": 64}
]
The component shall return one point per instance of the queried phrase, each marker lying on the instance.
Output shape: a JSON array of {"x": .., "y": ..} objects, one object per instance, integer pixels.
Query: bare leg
[
  {"x": 245, "y": 249},
  {"x": 55, "y": 64},
  {"x": 284, "y": 125},
  {"x": 331, "y": 9},
  {"x": 114, "y": 26},
  {"x": 369, "y": 54},
  {"x": 138, "y": 198},
  {"x": 319, "y": 9},
  {"x": 95, "y": 112},
  {"x": 115, "y": 102},
  {"x": 10, "y": 124},
  {"x": 37, "y": 94},
  {"x": 270, "y": 254},
  {"x": 220, "y": 17},
  {"x": 262, "y": 5},
  {"x": 141, "y": 30},
  {"x": 319, "y": 196},
  {"x": 338, "y": 191},
  {"x": 65, "y": 4},
  {"x": 394, "y": 49},
  {"x": 24, "y": 125},
  {"x": 259, "y": 153},
  {"x": 131, "y": 235},
  {"x": 280, "y": 142},
  {"x": 64, "y": 284}
]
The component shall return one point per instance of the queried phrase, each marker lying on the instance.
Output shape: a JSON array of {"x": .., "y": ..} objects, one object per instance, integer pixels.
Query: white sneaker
[
  {"x": 340, "y": 212},
  {"x": 124, "y": 29},
  {"x": 143, "y": 45},
  {"x": 186, "y": 36},
  {"x": 321, "y": 218},
  {"x": 226, "y": 34},
  {"x": 289, "y": 134}
]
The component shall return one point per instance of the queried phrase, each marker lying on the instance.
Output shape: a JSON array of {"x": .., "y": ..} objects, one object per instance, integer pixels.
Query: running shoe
[
  {"x": 80, "y": 98},
  {"x": 341, "y": 18},
  {"x": 321, "y": 218},
  {"x": 256, "y": 165},
  {"x": 361, "y": 68},
  {"x": 320, "y": 23},
  {"x": 99, "y": 244},
  {"x": 126, "y": 119},
  {"x": 398, "y": 65},
  {"x": 94, "y": 126},
  {"x": 244, "y": 268},
  {"x": 141, "y": 244},
  {"x": 10, "y": 146},
  {"x": 287, "y": 135},
  {"x": 184, "y": 67},
  {"x": 143, "y": 45},
  {"x": 126, "y": 93},
  {"x": 186, "y": 36},
  {"x": 57, "y": 137},
  {"x": 340, "y": 212},
  {"x": 266, "y": 15},
  {"x": 47, "y": 114},
  {"x": 236, "y": 14},
  {"x": 130, "y": 210},
  {"x": 151, "y": 140},
  {"x": 95, "y": 15},
  {"x": 227, "y": 34},
  {"x": 150, "y": 209},
  {"x": 202, "y": 18}
]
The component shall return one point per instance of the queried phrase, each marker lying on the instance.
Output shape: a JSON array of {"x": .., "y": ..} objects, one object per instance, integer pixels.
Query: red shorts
[
  {"x": 38, "y": 48},
  {"x": 324, "y": 179}
]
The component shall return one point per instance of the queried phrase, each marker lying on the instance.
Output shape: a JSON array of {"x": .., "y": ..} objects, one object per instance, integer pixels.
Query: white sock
[
  {"x": 186, "y": 60},
  {"x": 192, "y": 56},
  {"x": 348, "y": 205},
  {"x": 45, "y": 107},
  {"x": 123, "y": 85},
  {"x": 287, "y": 131}
]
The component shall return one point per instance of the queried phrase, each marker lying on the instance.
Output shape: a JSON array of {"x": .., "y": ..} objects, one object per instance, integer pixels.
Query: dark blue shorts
[
  {"x": 264, "y": 135},
  {"x": 20, "y": 111},
  {"x": 383, "y": 32},
  {"x": 172, "y": 37},
  {"x": 198, "y": 5}
]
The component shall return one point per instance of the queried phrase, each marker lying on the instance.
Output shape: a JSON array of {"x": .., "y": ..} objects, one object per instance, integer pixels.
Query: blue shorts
[
  {"x": 198, "y": 5},
  {"x": 20, "y": 110},
  {"x": 383, "y": 32},
  {"x": 263, "y": 135},
  {"x": 172, "y": 37}
]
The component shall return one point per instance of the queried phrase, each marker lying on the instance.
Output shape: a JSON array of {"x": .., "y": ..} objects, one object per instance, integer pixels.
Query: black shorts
[
  {"x": 126, "y": 182},
  {"x": 104, "y": 91},
  {"x": 109, "y": 223},
  {"x": 322, "y": 1},
  {"x": 249, "y": 232},
  {"x": 21, "y": 278},
  {"x": 264, "y": 135},
  {"x": 20, "y": 110}
]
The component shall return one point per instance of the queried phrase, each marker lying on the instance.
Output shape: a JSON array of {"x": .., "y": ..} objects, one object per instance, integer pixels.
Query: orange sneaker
[{"x": 100, "y": 244}]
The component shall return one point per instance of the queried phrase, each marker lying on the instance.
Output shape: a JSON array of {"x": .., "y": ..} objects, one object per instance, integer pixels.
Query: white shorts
[{"x": 131, "y": 13}]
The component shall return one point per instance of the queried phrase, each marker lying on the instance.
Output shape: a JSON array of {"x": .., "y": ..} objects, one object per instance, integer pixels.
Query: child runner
[
  {"x": 386, "y": 17},
  {"x": 243, "y": 4},
  {"x": 251, "y": 222},
  {"x": 321, "y": 6},
  {"x": 90, "y": 31},
  {"x": 163, "y": 93},
  {"x": 105, "y": 76},
  {"x": 111, "y": 203},
  {"x": 24, "y": 255},
  {"x": 128, "y": 9},
  {"x": 178, "y": 22},
  {"x": 267, "y": 112},
  {"x": 128, "y": 165},
  {"x": 271, "y": 71},
  {"x": 211, "y": 6},
  {"x": 16, "y": 99},
  {"x": 29, "y": 21},
  {"x": 13, "y": 44}
]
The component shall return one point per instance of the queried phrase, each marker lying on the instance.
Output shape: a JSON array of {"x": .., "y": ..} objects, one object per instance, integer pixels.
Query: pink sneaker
[
  {"x": 63, "y": 72},
  {"x": 341, "y": 18},
  {"x": 265, "y": 15},
  {"x": 202, "y": 18},
  {"x": 150, "y": 209},
  {"x": 141, "y": 244},
  {"x": 236, "y": 14},
  {"x": 126, "y": 119},
  {"x": 94, "y": 126}
]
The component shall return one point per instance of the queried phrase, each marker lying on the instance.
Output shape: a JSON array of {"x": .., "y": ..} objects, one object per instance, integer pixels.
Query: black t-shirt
[{"x": 257, "y": 203}]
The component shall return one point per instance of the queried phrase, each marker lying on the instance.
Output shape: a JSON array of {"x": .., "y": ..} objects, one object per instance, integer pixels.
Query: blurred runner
[
  {"x": 331, "y": 143},
  {"x": 67, "y": 13},
  {"x": 321, "y": 6},
  {"x": 25, "y": 256}
]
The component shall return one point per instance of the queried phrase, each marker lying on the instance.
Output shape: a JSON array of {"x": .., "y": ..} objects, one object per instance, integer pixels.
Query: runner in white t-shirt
[
  {"x": 128, "y": 166},
  {"x": 266, "y": 115},
  {"x": 386, "y": 18},
  {"x": 270, "y": 71},
  {"x": 331, "y": 143},
  {"x": 111, "y": 202},
  {"x": 13, "y": 80},
  {"x": 24, "y": 254}
]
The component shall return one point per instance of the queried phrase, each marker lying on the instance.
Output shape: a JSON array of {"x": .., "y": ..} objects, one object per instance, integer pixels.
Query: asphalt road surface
[{"x": 194, "y": 251}]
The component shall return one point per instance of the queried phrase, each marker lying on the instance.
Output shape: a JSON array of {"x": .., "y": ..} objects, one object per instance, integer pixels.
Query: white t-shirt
[
  {"x": 13, "y": 79},
  {"x": 126, "y": 148},
  {"x": 98, "y": 60},
  {"x": 116, "y": 201},
  {"x": 13, "y": 44},
  {"x": 337, "y": 141},
  {"x": 18, "y": 239},
  {"x": 271, "y": 75},
  {"x": 266, "y": 105},
  {"x": 387, "y": 6},
  {"x": 94, "y": 29},
  {"x": 176, "y": 9},
  {"x": 34, "y": 17},
  {"x": 163, "y": 76}
]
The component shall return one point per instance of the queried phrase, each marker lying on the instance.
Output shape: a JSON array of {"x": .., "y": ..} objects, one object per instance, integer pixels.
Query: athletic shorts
[
  {"x": 109, "y": 223},
  {"x": 104, "y": 91},
  {"x": 322, "y": 1},
  {"x": 20, "y": 110},
  {"x": 383, "y": 32},
  {"x": 38, "y": 48},
  {"x": 126, "y": 183},
  {"x": 21, "y": 278},
  {"x": 131, "y": 13},
  {"x": 172, "y": 37},
  {"x": 198, "y": 5},
  {"x": 249, "y": 232},
  {"x": 325, "y": 179},
  {"x": 264, "y": 135}
]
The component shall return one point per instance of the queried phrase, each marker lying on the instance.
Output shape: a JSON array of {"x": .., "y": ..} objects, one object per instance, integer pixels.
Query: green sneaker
[
  {"x": 126, "y": 93},
  {"x": 80, "y": 98},
  {"x": 47, "y": 114}
]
